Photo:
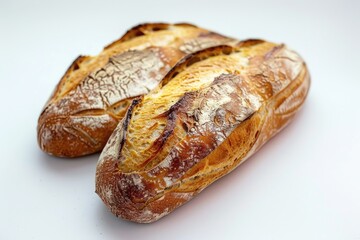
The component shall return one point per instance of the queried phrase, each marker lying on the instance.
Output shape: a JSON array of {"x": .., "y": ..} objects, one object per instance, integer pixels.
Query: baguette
[
  {"x": 93, "y": 95},
  {"x": 209, "y": 114}
]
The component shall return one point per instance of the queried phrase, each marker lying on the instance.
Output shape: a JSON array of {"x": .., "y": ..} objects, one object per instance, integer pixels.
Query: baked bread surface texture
[
  {"x": 211, "y": 112},
  {"x": 93, "y": 95}
]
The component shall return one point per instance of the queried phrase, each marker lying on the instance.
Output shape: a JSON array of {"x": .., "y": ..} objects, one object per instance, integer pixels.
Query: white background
[{"x": 303, "y": 184}]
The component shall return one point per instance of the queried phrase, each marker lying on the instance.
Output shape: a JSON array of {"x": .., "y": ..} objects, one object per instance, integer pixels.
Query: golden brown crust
[
  {"x": 218, "y": 109},
  {"x": 143, "y": 29},
  {"x": 94, "y": 93},
  {"x": 139, "y": 30}
]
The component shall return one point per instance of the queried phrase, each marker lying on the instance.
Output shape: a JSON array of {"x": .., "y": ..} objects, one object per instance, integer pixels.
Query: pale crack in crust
[
  {"x": 205, "y": 41},
  {"x": 123, "y": 77}
]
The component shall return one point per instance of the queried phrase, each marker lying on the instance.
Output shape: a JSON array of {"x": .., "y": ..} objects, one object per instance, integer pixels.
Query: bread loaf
[
  {"x": 93, "y": 95},
  {"x": 211, "y": 112}
]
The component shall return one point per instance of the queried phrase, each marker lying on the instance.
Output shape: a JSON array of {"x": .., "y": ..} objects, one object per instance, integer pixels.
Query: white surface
[{"x": 304, "y": 184}]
